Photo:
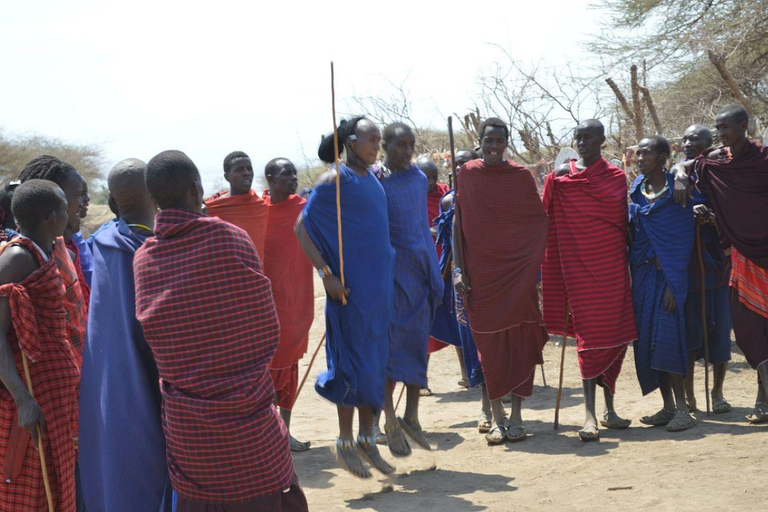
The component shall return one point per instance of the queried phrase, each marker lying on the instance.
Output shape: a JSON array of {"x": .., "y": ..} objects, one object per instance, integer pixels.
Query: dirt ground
[{"x": 717, "y": 465}]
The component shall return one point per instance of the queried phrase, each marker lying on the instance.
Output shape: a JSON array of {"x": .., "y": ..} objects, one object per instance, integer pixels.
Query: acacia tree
[
  {"x": 15, "y": 152},
  {"x": 706, "y": 52}
]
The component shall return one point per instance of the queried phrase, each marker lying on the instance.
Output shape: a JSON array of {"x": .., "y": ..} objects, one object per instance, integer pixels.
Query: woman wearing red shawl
[
  {"x": 209, "y": 318},
  {"x": 735, "y": 178},
  {"x": 33, "y": 323},
  {"x": 585, "y": 276},
  {"x": 290, "y": 272},
  {"x": 500, "y": 232},
  {"x": 240, "y": 205}
]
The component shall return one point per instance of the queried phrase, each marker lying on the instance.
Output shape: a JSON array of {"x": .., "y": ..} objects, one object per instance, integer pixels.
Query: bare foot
[
  {"x": 613, "y": 420},
  {"x": 681, "y": 421},
  {"x": 347, "y": 457},
  {"x": 299, "y": 446},
  {"x": 413, "y": 429},
  {"x": 659, "y": 419},
  {"x": 691, "y": 401},
  {"x": 398, "y": 444},
  {"x": 366, "y": 447}
]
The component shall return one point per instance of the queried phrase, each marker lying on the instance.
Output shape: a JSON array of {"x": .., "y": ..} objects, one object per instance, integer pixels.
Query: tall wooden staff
[
  {"x": 40, "y": 447},
  {"x": 338, "y": 184},
  {"x": 562, "y": 366},
  {"x": 702, "y": 275}
]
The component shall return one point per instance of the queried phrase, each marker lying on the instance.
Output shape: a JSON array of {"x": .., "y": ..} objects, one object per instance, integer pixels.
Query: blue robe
[
  {"x": 663, "y": 230},
  {"x": 445, "y": 328},
  {"x": 718, "y": 304},
  {"x": 357, "y": 343},
  {"x": 86, "y": 258},
  {"x": 122, "y": 447},
  {"x": 418, "y": 283},
  {"x": 468, "y": 347}
]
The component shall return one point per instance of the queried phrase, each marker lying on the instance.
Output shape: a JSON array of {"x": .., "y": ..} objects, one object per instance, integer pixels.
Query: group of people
[
  {"x": 149, "y": 361},
  {"x": 154, "y": 366}
]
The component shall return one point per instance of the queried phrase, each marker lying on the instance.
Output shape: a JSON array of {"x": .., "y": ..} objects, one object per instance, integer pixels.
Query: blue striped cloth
[
  {"x": 418, "y": 283},
  {"x": 663, "y": 230}
]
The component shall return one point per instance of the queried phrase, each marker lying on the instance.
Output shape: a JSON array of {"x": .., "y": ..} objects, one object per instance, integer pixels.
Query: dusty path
[{"x": 717, "y": 465}]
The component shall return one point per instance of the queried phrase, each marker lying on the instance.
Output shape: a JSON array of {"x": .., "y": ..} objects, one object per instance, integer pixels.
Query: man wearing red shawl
[
  {"x": 209, "y": 318},
  {"x": 290, "y": 273},
  {"x": 240, "y": 205},
  {"x": 500, "y": 233},
  {"x": 33, "y": 332},
  {"x": 585, "y": 276},
  {"x": 735, "y": 178}
]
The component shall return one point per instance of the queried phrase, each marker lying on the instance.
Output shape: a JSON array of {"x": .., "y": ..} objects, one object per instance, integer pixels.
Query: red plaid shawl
[
  {"x": 504, "y": 233},
  {"x": 209, "y": 318},
  {"x": 74, "y": 302},
  {"x": 39, "y": 329},
  {"x": 586, "y": 265}
]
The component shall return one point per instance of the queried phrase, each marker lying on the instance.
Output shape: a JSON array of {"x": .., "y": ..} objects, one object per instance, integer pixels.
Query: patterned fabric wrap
[
  {"x": 585, "y": 268},
  {"x": 418, "y": 283},
  {"x": 504, "y": 234},
  {"x": 662, "y": 234},
  {"x": 38, "y": 329},
  {"x": 209, "y": 318}
]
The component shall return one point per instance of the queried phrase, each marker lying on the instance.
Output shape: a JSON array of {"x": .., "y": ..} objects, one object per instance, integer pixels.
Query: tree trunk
[
  {"x": 719, "y": 62},
  {"x": 637, "y": 106},
  {"x": 652, "y": 109}
]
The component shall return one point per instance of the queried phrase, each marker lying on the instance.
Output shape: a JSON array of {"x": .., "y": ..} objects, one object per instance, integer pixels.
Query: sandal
[
  {"x": 348, "y": 458},
  {"x": 661, "y": 418},
  {"x": 516, "y": 433},
  {"x": 366, "y": 447},
  {"x": 425, "y": 392},
  {"x": 381, "y": 437},
  {"x": 398, "y": 444},
  {"x": 590, "y": 433},
  {"x": 484, "y": 424},
  {"x": 720, "y": 405},
  {"x": 413, "y": 429},
  {"x": 299, "y": 446},
  {"x": 759, "y": 415},
  {"x": 497, "y": 435},
  {"x": 464, "y": 383},
  {"x": 681, "y": 421},
  {"x": 614, "y": 421}
]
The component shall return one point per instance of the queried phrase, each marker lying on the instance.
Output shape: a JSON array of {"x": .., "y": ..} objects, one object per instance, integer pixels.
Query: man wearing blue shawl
[
  {"x": 418, "y": 285},
  {"x": 357, "y": 315},
  {"x": 122, "y": 448},
  {"x": 661, "y": 241}
]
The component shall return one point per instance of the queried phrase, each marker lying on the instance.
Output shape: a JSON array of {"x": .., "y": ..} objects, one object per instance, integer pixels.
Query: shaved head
[
  {"x": 126, "y": 184},
  {"x": 735, "y": 112},
  {"x": 592, "y": 125},
  {"x": 426, "y": 164}
]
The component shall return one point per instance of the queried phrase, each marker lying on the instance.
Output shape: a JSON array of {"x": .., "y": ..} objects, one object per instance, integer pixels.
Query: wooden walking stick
[
  {"x": 702, "y": 275},
  {"x": 544, "y": 377},
  {"x": 562, "y": 366},
  {"x": 309, "y": 368},
  {"x": 402, "y": 389},
  {"x": 40, "y": 447},
  {"x": 338, "y": 184}
]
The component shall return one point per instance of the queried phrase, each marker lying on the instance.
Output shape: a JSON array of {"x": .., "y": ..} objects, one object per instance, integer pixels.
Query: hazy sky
[{"x": 139, "y": 77}]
